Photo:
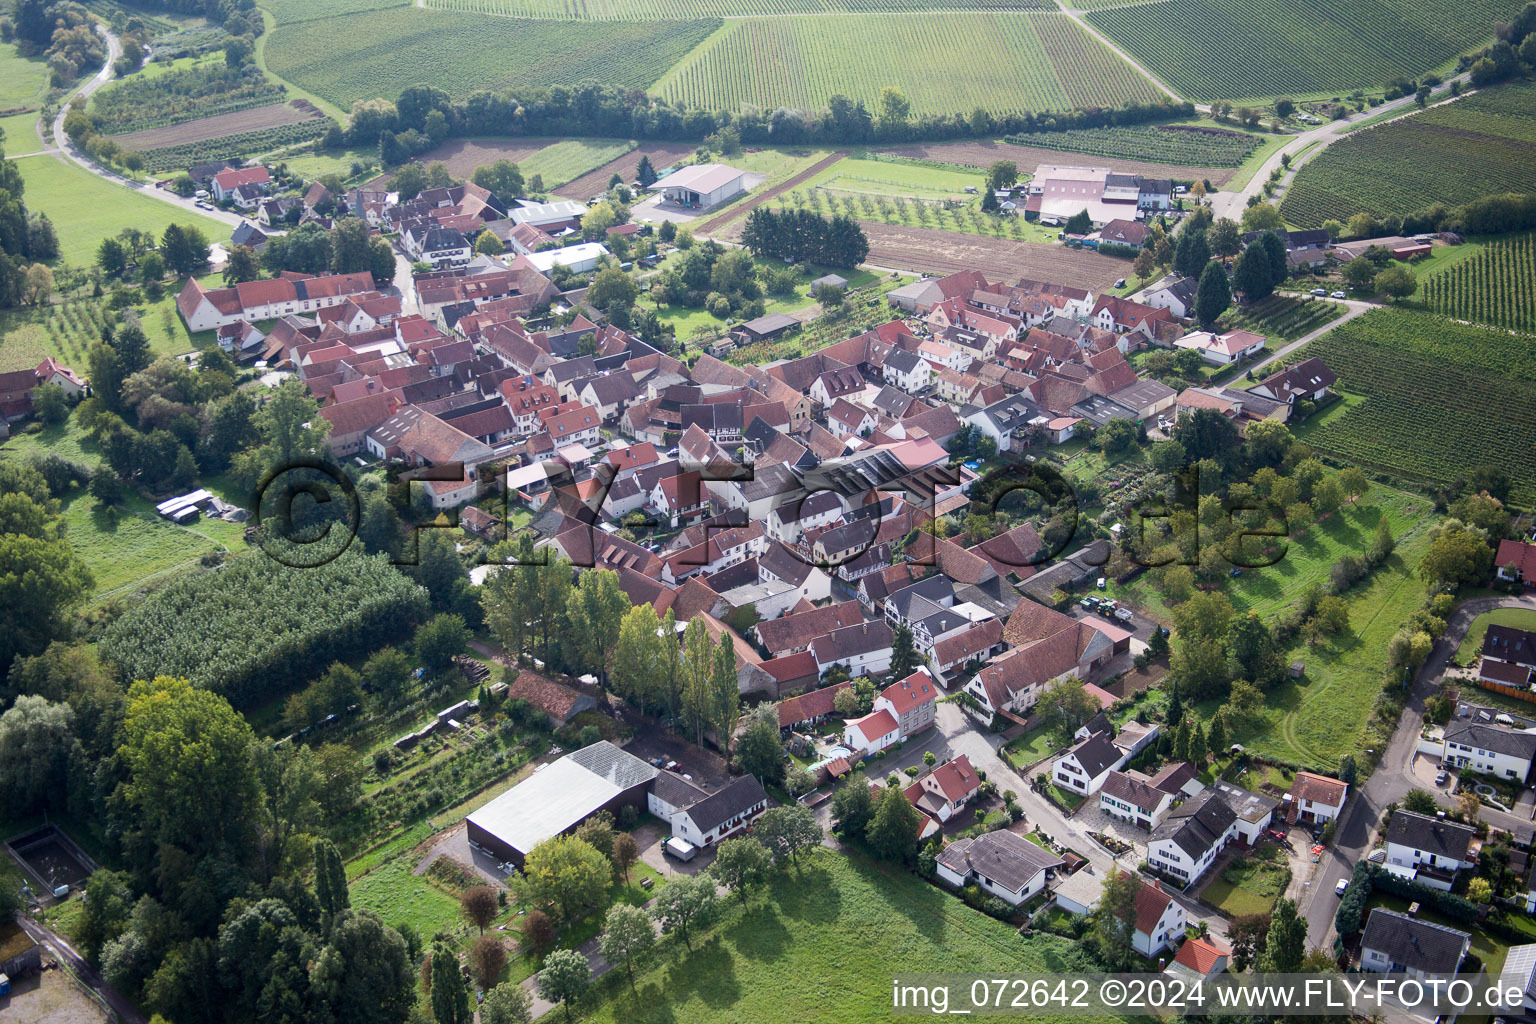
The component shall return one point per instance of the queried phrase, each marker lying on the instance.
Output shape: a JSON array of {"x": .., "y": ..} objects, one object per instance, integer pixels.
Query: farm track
[
  {"x": 721, "y": 219},
  {"x": 983, "y": 154},
  {"x": 220, "y": 125},
  {"x": 931, "y": 251}
]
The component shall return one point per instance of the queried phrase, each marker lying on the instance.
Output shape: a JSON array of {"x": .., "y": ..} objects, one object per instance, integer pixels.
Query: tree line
[
  {"x": 426, "y": 113},
  {"x": 801, "y": 236}
]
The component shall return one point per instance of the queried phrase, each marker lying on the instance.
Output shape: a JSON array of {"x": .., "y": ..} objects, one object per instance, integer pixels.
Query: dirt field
[
  {"x": 944, "y": 252},
  {"x": 590, "y": 184},
  {"x": 984, "y": 154},
  {"x": 255, "y": 119},
  {"x": 463, "y": 155},
  {"x": 49, "y": 998}
]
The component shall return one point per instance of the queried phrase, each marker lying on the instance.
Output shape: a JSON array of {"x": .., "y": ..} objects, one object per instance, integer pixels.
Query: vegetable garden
[
  {"x": 1190, "y": 145},
  {"x": 380, "y": 53},
  {"x": 1407, "y": 165},
  {"x": 1436, "y": 394},
  {"x": 1496, "y": 285},
  {"x": 648, "y": 10},
  {"x": 942, "y": 63},
  {"x": 1260, "y": 49}
]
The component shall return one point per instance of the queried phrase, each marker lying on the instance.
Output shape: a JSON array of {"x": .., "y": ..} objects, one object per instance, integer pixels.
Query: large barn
[
  {"x": 559, "y": 797},
  {"x": 702, "y": 186}
]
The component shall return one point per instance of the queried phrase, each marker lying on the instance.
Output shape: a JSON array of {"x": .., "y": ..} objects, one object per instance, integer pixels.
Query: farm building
[
  {"x": 580, "y": 259},
  {"x": 763, "y": 328},
  {"x": 558, "y": 798},
  {"x": 17, "y": 950},
  {"x": 702, "y": 185}
]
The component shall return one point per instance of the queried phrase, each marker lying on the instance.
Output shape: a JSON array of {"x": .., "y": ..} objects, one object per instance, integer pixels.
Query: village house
[
  {"x": 1316, "y": 799},
  {"x": 1223, "y": 349},
  {"x": 1489, "y": 748},
  {"x": 1516, "y": 563},
  {"x": 943, "y": 792},
  {"x": 1188, "y": 841},
  {"x": 1401, "y": 944},
  {"x": 729, "y": 810},
  {"x": 1003, "y": 864},
  {"x": 205, "y": 309},
  {"x": 1429, "y": 850}
]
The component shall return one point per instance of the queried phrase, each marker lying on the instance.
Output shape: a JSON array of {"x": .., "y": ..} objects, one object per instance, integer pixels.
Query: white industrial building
[{"x": 702, "y": 185}]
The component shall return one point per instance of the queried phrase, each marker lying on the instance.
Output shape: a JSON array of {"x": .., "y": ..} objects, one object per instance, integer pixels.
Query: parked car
[
  {"x": 1442, "y": 777},
  {"x": 1101, "y": 583},
  {"x": 1340, "y": 295},
  {"x": 1320, "y": 292},
  {"x": 1120, "y": 283},
  {"x": 1123, "y": 614},
  {"x": 1338, "y": 890}
]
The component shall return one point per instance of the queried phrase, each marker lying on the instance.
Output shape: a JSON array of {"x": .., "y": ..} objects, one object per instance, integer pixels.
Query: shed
[
  {"x": 829, "y": 281},
  {"x": 1298, "y": 669},
  {"x": 701, "y": 186},
  {"x": 764, "y": 327},
  {"x": 1410, "y": 252},
  {"x": 18, "y": 952}
]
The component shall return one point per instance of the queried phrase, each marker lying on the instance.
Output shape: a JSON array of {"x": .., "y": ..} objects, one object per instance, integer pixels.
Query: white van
[{"x": 679, "y": 848}]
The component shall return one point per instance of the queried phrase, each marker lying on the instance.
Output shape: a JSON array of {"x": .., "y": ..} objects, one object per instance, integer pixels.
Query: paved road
[
  {"x": 1232, "y": 204},
  {"x": 126, "y": 1012},
  {"x": 1393, "y": 777}
]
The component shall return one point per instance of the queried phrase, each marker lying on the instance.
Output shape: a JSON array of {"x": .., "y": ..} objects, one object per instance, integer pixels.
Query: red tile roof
[
  {"x": 806, "y": 706},
  {"x": 1201, "y": 955},
  {"x": 915, "y": 690}
]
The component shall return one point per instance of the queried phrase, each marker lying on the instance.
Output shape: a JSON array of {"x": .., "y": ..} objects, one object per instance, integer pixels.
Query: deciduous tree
[{"x": 628, "y": 937}]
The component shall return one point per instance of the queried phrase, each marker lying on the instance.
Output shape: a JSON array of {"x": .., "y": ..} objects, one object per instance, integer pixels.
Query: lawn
[
  {"x": 1519, "y": 618},
  {"x": 1307, "y": 559},
  {"x": 21, "y": 134},
  {"x": 1490, "y": 950},
  {"x": 898, "y": 178},
  {"x": 86, "y": 209},
  {"x": 822, "y": 943},
  {"x": 1250, "y": 885},
  {"x": 571, "y": 158},
  {"x": 23, "y": 80},
  {"x": 316, "y": 165},
  {"x": 399, "y": 897},
  {"x": 1030, "y": 747},
  {"x": 1316, "y": 720}
]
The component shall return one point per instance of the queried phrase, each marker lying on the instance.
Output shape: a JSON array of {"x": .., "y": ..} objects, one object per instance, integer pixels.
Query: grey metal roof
[{"x": 619, "y": 767}]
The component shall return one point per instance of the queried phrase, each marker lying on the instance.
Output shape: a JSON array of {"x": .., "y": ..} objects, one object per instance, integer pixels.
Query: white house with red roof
[
  {"x": 1160, "y": 920},
  {"x": 226, "y": 183},
  {"x": 872, "y": 733},
  {"x": 204, "y": 309},
  {"x": 943, "y": 792},
  {"x": 1516, "y": 562},
  {"x": 1199, "y": 958},
  {"x": 51, "y": 371},
  {"x": 1122, "y": 316},
  {"x": 1316, "y": 798},
  {"x": 911, "y": 701}
]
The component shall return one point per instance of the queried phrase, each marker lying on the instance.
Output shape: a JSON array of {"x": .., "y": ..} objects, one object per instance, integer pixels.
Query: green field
[
  {"x": 1494, "y": 285},
  {"x": 1422, "y": 160},
  {"x": 289, "y": 11},
  {"x": 1170, "y": 144},
  {"x": 1260, "y": 49},
  {"x": 823, "y": 945},
  {"x": 380, "y": 53},
  {"x": 23, "y": 80},
  {"x": 1439, "y": 397},
  {"x": 570, "y": 159},
  {"x": 1472, "y": 644},
  {"x": 943, "y": 63},
  {"x": 1319, "y": 719},
  {"x": 399, "y": 897},
  {"x": 86, "y": 209},
  {"x": 649, "y": 10}
]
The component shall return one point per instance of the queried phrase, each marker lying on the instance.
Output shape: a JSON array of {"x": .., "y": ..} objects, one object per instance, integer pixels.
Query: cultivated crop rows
[
  {"x": 1436, "y": 392},
  {"x": 229, "y": 146},
  {"x": 559, "y": 163},
  {"x": 1496, "y": 285},
  {"x": 1214, "y": 147},
  {"x": 646, "y": 10},
  {"x": 141, "y": 103},
  {"x": 362, "y": 56},
  {"x": 1287, "y": 317},
  {"x": 1240, "y": 49},
  {"x": 1439, "y": 156},
  {"x": 943, "y": 64},
  {"x": 255, "y": 119}
]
